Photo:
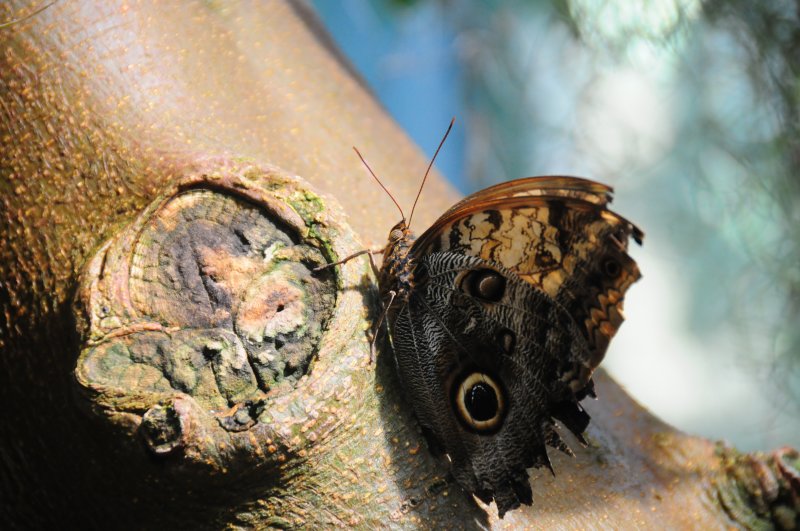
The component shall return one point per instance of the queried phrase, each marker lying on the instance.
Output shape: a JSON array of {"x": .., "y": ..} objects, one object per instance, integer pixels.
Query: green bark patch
[{"x": 760, "y": 491}]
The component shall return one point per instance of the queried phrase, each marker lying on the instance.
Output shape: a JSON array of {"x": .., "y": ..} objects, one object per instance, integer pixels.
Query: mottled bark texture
[{"x": 168, "y": 359}]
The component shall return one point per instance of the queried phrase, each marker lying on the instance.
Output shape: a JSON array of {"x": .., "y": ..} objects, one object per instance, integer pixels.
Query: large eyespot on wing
[
  {"x": 484, "y": 284},
  {"x": 486, "y": 344},
  {"x": 479, "y": 402}
]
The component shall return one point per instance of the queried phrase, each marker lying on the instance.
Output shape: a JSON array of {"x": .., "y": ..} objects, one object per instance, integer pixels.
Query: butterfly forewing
[
  {"x": 563, "y": 186},
  {"x": 561, "y": 240}
]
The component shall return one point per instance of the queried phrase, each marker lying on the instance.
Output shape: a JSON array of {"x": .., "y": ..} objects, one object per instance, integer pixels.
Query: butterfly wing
[
  {"x": 551, "y": 185},
  {"x": 480, "y": 351},
  {"x": 557, "y": 234},
  {"x": 507, "y": 304}
]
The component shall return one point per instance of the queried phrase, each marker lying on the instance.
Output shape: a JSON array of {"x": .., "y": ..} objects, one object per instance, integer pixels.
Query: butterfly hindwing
[{"x": 479, "y": 351}]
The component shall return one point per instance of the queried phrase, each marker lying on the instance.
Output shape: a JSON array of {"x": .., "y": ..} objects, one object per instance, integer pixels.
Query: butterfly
[{"x": 498, "y": 315}]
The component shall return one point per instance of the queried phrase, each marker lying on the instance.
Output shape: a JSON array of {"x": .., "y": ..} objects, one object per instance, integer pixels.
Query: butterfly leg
[
  {"x": 377, "y": 330},
  {"x": 346, "y": 259},
  {"x": 375, "y": 269}
]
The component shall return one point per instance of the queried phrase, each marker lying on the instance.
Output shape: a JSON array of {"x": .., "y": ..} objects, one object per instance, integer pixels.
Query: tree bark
[{"x": 169, "y": 359}]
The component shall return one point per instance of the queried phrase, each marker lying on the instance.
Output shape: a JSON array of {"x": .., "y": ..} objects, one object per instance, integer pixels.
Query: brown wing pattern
[
  {"x": 553, "y": 185},
  {"x": 557, "y": 234}
]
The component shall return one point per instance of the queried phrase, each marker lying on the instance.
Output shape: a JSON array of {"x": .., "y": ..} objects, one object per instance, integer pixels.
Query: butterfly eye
[
  {"x": 485, "y": 284},
  {"x": 395, "y": 235},
  {"x": 612, "y": 268},
  {"x": 480, "y": 403}
]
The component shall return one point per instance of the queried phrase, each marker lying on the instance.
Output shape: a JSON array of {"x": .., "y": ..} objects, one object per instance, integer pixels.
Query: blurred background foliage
[{"x": 690, "y": 109}]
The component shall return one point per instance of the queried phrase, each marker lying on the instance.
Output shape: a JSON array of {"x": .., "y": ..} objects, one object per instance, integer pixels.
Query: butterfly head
[
  {"x": 400, "y": 241},
  {"x": 399, "y": 233}
]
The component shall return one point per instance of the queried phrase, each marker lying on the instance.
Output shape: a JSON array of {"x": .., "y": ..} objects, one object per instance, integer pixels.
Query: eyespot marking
[
  {"x": 612, "y": 268},
  {"x": 484, "y": 284},
  {"x": 507, "y": 340},
  {"x": 480, "y": 403}
]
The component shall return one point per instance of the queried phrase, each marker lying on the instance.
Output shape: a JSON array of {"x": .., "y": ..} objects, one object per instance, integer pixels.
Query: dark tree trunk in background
[{"x": 168, "y": 360}]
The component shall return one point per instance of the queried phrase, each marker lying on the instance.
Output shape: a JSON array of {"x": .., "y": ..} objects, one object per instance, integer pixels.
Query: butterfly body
[
  {"x": 498, "y": 315},
  {"x": 397, "y": 273}
]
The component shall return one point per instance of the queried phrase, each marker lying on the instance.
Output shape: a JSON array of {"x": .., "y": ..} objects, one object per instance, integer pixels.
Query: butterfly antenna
[
  {"x": 429, "y": 170},
  {"x": 379, "y": 182}
]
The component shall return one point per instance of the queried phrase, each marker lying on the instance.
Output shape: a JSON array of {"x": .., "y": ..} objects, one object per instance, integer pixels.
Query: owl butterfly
[{"x": 498, "y": 315}]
